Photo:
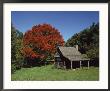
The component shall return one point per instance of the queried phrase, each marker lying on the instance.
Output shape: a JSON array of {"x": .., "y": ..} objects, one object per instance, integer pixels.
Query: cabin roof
[
  {"x": 66, "y": 51},
  {"x": 72, "y": 53}
]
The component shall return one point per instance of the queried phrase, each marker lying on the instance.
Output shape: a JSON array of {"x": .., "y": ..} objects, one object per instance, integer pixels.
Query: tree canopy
[
  {"x": 88, "y": 41},
  {"x": 40, "y": 42}
]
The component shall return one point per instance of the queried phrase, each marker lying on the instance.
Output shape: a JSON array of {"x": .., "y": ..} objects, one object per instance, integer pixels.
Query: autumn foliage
[{"x": 40, "y": 41}]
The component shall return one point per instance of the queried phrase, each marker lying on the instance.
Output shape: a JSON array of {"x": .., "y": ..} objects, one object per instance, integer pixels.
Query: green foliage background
[
  {"x": 87, "y": 40},
  {"x": 16, "y": 47}
]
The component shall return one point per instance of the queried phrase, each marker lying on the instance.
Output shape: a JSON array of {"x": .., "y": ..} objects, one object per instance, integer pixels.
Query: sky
[{"x": 67, "y": 22}]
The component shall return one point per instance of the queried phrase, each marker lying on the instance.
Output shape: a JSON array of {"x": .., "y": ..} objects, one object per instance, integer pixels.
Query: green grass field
[{"x": 48, "y": 73}]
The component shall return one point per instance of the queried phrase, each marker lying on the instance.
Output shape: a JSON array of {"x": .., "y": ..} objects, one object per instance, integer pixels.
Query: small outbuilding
[{"x": 70, "y": 58}]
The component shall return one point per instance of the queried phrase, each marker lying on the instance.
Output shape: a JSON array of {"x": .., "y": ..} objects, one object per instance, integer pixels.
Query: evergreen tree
[
  {"x": 88, "y": 41},
  {"x": 16, "y": 46}
]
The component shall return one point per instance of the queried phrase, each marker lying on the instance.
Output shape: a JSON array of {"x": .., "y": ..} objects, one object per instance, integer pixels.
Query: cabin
[{"x": 70, "y": 58}]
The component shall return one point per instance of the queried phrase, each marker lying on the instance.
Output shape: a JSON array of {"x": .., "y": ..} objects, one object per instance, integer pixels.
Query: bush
[
  {"x": 93, "y": 53},
  {"x": 13, "y": 68}
]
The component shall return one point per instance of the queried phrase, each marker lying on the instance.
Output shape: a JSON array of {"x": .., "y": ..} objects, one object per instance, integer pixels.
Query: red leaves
[
  {"x": 40, "y": 40},
  {"x": 28, "y": 52}
]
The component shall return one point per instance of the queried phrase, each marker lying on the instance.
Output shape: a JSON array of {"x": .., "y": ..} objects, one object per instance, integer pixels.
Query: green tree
[
  {"x": 88, "y": 41},
  {"x": 16, "y": 46}
]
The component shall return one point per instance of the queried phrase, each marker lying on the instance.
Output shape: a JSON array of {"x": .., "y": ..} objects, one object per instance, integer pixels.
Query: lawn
[{"x": 48, "y": 73}]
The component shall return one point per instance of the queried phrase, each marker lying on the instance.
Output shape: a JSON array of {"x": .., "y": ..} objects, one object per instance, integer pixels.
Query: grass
[{"x": 48, "y": 73}]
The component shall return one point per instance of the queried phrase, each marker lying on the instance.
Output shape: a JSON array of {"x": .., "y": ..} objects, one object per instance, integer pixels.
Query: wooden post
[
  {"x": 71, "y": 65},
  {"x": 45, "y": 63},
  {"x": 64, "y": 63},
  {"x": 80, "y": 64},
  {"x": 58, "y": 64},
  {"x": 88, "y": 64}
]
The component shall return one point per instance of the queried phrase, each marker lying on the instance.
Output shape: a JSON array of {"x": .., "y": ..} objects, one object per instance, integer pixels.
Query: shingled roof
[{"x": 72, "y": 53}]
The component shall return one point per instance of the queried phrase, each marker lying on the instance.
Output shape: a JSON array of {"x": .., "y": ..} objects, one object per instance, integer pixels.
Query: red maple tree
[{"x": 41, "y": 41}]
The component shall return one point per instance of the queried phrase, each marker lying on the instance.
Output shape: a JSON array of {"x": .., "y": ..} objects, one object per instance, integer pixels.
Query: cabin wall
[
  {"x": 75, "y": 64},
  {"x": 84, "y": 63}
]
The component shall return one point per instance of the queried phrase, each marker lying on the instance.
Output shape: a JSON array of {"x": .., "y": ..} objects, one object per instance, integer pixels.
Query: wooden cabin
[{"x": 70, "y": 58}]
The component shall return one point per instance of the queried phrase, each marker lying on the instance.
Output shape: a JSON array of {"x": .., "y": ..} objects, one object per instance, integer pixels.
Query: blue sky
[{"x": 67, "y": 22}]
